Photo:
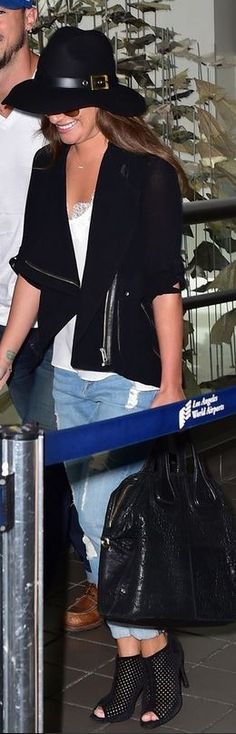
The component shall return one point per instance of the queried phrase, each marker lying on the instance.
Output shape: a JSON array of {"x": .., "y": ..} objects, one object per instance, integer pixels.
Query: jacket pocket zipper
[
  {"x": 149, "y": 318},
  {"x": 152, "y": 325},
  {"x": 51, "y": 275},
  {"x": 108, "y": 320}
]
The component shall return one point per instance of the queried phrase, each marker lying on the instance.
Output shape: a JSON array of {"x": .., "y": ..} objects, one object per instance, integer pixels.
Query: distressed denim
[{"x": 79, "y": 402}]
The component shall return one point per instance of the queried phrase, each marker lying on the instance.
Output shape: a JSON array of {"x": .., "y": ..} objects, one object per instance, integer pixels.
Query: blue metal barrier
[{"x": 75, "y": 443}]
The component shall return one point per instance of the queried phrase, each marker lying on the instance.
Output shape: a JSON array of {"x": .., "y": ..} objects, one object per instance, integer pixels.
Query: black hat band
[{"x": 95, "y": 82}]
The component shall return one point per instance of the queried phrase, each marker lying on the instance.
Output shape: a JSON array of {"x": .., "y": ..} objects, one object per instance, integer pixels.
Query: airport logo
[{"x": 200, "y": 407}]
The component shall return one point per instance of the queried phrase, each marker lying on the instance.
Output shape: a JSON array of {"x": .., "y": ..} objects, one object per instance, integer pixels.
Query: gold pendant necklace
[{"x": 92, "y": 160}]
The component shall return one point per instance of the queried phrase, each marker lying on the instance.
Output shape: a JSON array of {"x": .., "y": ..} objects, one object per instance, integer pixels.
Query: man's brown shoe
[{"x": 83, "y": 614}]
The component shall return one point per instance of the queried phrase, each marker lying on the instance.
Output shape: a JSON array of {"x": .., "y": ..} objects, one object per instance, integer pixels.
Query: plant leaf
[
  {"x": 226, "y": 279},
  {"x": 143, "y": 80},
  {"x": 222, "y": 236},
  {"x": 154, "y": 5},
  {"x": 208, "y": 256},
  {"x": 215, "y": 134},
  {"x": 226, "y": 169},
  {"x": 135, "y": 43},
  {"x": 160, "y": 32},
  {"x": 208, "y": 152},
  {"x": 222, "y": 330},
  {"x": 190, "y": 383},
  {"x": 180, "y": 135},
  {"x": 137, "y": 63},
  {"x": 180, "y": 80},
  {"x": 208, "y": 91},
  {"x": 183, "y": 111}
]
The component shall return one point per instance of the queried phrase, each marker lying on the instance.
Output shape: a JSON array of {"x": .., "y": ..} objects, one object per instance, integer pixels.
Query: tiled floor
[
  {"x": 78, "y": 671},
  {"x": 79, "y": 668}
]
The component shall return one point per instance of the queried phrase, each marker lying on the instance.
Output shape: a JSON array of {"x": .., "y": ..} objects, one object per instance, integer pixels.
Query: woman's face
[{"x": 78, "y": 128}]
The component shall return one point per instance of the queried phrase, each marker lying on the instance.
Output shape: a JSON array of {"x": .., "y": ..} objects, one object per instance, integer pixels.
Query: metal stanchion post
[{"x": 21, "y": 521}]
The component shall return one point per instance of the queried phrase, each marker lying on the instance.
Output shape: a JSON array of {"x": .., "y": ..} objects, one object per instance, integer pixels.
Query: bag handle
[
  {"x": 172, "y": 453},
  {"x": 164, "y": 461}
]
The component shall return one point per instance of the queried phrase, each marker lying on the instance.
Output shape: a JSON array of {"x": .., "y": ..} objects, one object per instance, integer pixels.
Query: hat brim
[{"x": 31, "y": 96}]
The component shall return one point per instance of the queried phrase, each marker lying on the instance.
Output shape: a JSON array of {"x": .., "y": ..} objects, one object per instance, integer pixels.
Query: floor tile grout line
[
  {"x": 217, "y": 721},
  {"x": 93, "y": 642},
  {"x": 209, "y": 699}
]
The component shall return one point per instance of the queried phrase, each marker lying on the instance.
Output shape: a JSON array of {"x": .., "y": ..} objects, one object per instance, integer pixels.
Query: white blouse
[{"x": 79, "y": 222}]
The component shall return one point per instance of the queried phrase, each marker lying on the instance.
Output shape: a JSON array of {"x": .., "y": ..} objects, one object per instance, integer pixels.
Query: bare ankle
[
  {"x": 128, "y": 646},
  {"x": 153, "y": 645}
]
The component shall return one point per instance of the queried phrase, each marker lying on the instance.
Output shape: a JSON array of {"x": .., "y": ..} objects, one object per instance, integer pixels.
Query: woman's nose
[{"x": 56, "y": 118}]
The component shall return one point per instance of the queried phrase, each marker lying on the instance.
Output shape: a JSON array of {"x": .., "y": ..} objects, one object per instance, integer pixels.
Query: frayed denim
[{"x": 78, "y": 402}]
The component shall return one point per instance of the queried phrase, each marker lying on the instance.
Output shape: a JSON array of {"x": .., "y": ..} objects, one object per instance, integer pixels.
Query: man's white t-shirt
[{"x": 19, "y": 139}]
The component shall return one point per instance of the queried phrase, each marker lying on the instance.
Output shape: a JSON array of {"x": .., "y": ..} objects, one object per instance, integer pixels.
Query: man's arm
[{"x": 23, "y": 314}]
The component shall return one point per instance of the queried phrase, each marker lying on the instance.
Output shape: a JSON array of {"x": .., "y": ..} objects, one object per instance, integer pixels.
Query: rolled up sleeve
[{"x": 162, "y": 229}]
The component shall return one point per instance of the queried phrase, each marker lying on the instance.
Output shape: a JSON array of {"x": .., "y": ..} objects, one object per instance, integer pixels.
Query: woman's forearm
[
  {"x": 23, "y": 314},
  {"x": 168, "y": 317}
]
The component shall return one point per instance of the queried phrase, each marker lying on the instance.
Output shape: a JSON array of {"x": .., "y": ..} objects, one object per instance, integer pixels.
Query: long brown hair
[{"x": 130, "y": 133}]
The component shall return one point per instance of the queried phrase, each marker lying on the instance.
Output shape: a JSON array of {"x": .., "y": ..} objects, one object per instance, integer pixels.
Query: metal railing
[
  {"x": 21, "y": 567},
  {"x": 200, "y": 212},
  {"x": 210, "y": 210}
]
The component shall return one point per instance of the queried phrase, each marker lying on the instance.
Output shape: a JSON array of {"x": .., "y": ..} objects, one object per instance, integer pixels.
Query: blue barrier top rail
[{"x": 76, "y": 443}]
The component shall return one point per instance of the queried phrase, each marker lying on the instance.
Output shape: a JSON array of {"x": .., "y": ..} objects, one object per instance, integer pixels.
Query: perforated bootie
[
  {"x": 127, "y": 685},
  {"x": 164, "y": 675}
]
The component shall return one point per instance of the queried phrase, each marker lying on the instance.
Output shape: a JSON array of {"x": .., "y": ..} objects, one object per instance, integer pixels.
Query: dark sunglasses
[{"x": 71, "y": 113}]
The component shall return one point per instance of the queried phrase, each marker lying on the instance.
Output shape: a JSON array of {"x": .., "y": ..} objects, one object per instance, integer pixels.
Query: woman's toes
[
  {"x": 149, "y": 716},
  {"x": 99, "y": 712}
]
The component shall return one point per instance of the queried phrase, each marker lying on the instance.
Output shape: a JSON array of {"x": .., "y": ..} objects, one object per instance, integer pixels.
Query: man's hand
[{"x": 5, "y": 369}]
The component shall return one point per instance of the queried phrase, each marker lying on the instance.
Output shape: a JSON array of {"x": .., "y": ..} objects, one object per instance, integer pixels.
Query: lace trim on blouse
[{"x": 80, "y": 207}]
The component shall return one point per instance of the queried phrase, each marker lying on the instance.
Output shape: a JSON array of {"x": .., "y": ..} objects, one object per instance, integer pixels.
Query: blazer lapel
[{"x": 112, "y": 224}]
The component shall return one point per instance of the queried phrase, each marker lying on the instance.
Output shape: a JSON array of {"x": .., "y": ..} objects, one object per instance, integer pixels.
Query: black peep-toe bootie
[
  {"x": 164, "y": 675},
  {"x": 127, "y": 685}
]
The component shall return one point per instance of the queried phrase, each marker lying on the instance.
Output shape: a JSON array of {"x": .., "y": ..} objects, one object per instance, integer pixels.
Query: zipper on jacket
[
  {"x": 118, "y": 327},
  {"x": 51, "y": 275},
  {"x": 108, "y": 320},
  {"x": 149, "y": 318},
  {"x": 152, "y": 325}
]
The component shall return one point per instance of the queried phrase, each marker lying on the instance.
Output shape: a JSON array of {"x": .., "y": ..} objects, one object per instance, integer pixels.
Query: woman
[{"x": 100, "y": 267}]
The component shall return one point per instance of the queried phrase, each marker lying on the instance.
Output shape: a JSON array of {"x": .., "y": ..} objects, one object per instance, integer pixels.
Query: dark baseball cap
[{"x": 16, "y": 4}]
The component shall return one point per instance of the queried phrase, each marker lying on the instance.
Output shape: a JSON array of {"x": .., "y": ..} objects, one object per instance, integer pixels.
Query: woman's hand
[{"x": 167, "y": 396}]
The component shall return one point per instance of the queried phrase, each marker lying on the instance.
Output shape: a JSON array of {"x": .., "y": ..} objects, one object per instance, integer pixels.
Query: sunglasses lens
[{"x": 72, "y": 113}]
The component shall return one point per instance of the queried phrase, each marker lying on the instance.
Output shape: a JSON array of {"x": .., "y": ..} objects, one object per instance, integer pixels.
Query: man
[
  {"x": 30, "y": 383},
  {"x": 30, "y": 389}
]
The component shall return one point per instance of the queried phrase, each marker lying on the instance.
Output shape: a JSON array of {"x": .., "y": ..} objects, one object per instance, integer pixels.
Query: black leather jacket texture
[{"x": 133, "y": 255}]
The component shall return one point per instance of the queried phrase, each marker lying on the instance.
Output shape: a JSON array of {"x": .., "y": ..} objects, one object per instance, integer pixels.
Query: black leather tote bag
[{"x": 168, "y": 555}]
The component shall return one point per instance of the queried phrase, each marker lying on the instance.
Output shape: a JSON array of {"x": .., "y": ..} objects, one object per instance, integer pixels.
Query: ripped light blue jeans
[{"x": 79, "y": 401}]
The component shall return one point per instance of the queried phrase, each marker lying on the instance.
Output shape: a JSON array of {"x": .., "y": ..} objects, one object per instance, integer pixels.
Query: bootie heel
[
  {"x": 127, "y": 685},
  {"x": 164, "y": 675}
]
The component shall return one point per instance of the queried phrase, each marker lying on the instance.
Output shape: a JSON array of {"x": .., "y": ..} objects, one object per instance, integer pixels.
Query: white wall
[
  {"x": 193, "y": 19},
  {"x": 212, "y": 23},
  {"x": 225, "y": 41}
]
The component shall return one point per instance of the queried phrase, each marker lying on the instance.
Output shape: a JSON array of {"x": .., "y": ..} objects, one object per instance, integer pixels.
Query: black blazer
[{"x": 133, "y": 255}]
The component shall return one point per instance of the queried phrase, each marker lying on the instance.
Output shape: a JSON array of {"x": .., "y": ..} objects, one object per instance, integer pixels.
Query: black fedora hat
[{"x": 76, "y": 69}]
